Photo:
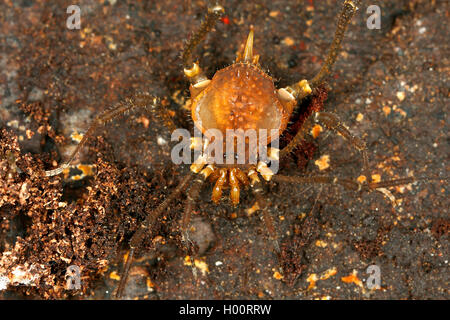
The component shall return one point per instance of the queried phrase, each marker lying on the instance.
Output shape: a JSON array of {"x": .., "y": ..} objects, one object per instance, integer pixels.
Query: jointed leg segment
[
  {"x": 332, "y": 122},
  {"x": 192, "y": 69},
  {"x": 347, "y": 13},
  {"x": 141, "y": 100},
  {"x": 301, "y": 89},
  {"x": 346, "y": 183},
  {"x": 268, "y": 219},
  {"x": 349, "y": 184},
  {"x": 192, "y": 196},
  {"x": 138, "y": 236}
]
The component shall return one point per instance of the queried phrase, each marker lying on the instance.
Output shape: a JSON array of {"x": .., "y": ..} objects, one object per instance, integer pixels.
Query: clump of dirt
[
  {"x": 58, "y": 233},
  {"x": 368, "y": 249},
  {"x": 293, "y": 249},
  {"x": 441, "y": 228}
]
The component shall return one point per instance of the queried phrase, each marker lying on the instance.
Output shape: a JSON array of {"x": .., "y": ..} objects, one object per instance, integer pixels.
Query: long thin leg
[
  {"x": 192, "y": 197},
  {"x": 141, "y": 232},
  {"x": 268, "y": 219},
  {"x": 346, "y": 183},
  {"x": 301, "y": 136},
  {"x": 303, "y": 88},
  {"x": 192, "y": 69},
  {"x": 332, "y": 122},
  {"x": 350, "y": 184},
  {"x": 141, "y": 100},
  {"x": 347, "y": 13}
]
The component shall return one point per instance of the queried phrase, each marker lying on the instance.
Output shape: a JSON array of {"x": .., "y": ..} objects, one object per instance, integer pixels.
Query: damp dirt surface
[{"x": 389, "y": 86}]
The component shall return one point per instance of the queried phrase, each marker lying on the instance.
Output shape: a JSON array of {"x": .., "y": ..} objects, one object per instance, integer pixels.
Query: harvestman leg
[
  {"x": 349, "y": 184},
  {"x": 196, "y": 76},
  {"x": 141, "y": 100},
  {"x": 192, "y": 69},
  {"x": 268, "y": 219},
  {"x": 139, "y": 235},
  {"x": 192, "y": 197},
  {"x": 346, "y": 183},
  {"x": 330, "y": 121},
  {"x": 303, "y": 88}
]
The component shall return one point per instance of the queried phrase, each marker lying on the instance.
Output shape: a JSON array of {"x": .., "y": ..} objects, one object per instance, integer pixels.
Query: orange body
[{"x": 239, "y": 97}]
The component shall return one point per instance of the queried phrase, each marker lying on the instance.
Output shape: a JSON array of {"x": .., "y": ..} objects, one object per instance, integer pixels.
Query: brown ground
[{"x": 390, "y": 86}]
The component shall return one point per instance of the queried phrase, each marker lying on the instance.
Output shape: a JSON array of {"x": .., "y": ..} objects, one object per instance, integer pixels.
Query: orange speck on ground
[
  {"x": 66, "y": 172},
  {"x": 361, "y": 179},
  {"x": 253, "y": 209},
  {"x": 277, "y": 275},
  {"x": 316, "y": 130},
  {"x": 401, "y": 95},
  {"x": 288, "y": 41},
  {"x": 313, "y": 278},
  {"x": 321, "y": 244},
  {"x": 187, "y": 261},
  {"x": 329, "y": 273},
  {"x": 359, "y": 117},
  {"x": 76, "y": 136},
  {"x": 376, "y": 177},
  {"x": 274, "y": 14},
  {"x": 199, "y": 264},
  {"x": 113, "y": 275},
  {"x": 323, "y": 162},
  {"x": 386, "y": 110},
  {"x": 29, "y": 134},
  {"x": 352, "y": 278},
  {"x": 401, "y": 111},
  {"x": 157, "y": 239},
  {"x": 150, "y": 284}
]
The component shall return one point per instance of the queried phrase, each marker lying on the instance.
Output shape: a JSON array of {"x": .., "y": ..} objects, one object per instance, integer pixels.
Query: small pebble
[
  {"x": 401, "y": 95},
  {"x": 161, "y": 141}
]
